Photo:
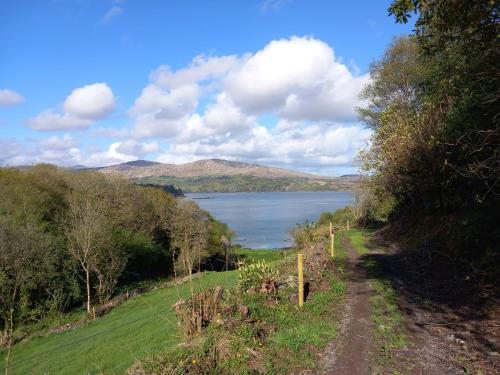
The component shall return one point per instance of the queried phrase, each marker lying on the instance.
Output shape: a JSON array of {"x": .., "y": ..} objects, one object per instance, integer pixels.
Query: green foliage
[
  {"x": 433, "y": 104},
  {"x": 241, "y": 183},
  {"x": 55, "y": 224},
  {"x": 254, "y": 276},
  {"x": 248, "y": 256},
  {"x": 304, "y": 235},
  {"x": 338, "y": 217}
]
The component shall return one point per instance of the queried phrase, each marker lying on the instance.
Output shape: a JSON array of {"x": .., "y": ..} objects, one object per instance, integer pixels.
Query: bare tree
[
  {"x": 190, "y": 235},
  {"x": 86, "y": 228}
]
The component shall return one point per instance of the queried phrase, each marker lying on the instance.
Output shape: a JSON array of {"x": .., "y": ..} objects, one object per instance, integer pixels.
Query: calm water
[{"x": 264, "y": 220}]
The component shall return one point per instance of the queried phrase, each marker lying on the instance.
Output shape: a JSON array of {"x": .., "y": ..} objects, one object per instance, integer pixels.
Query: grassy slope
[
  {"x": 139, "y": 327},
  {"x": 293, "y": 337}
]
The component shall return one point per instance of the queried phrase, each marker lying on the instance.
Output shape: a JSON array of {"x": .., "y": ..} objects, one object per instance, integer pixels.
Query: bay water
[{"x": 264, "y": 220}]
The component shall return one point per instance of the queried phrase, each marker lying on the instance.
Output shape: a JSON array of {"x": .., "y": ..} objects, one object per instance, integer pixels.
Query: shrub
[
  {"x": 304, "y": 235},
  {"x": 258, "y": 277},
  {"x": 338, "y": 217}
]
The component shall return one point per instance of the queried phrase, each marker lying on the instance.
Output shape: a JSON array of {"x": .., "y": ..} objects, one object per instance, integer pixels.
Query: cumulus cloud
[
  {"x": 138, "y": 149},
  {"x": 167, "y": 104},
  {"x": 217, "y": 106},
  {"x": 320, "y": 147},
  {"x": 300, "y": 79},
  {"x": 298, "y": 82},
  {"x": 92, "y": 101},
  {"x": 83, "y": 107},
  {"x": 67, "y": 151},
  {"x": 10, "y": 97}
]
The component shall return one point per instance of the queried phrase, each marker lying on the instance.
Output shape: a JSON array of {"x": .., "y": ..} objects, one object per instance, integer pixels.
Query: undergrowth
[{"x": 261, "y": 333}]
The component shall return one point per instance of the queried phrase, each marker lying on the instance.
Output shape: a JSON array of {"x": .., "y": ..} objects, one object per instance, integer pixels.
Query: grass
[
  {"x": 140, "y": 327},
  {"x": 389, "y": 333},
  {"x": 279, "y": 337},
  {"x": 269, "y": 255}
]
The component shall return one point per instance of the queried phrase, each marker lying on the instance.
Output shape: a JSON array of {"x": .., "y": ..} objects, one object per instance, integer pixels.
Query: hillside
[
  {"x": 200, "y": 168},
  {"x": 217, "y": 175}
]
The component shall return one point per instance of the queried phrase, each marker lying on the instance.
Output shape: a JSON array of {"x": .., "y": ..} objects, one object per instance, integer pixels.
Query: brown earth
[
  {"x": 441, "y": 339},
  {"x": 349, "y": 354}
]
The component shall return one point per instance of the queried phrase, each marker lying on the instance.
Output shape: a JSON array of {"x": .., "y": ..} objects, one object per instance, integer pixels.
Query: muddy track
[{"x": 349, "y": 354}]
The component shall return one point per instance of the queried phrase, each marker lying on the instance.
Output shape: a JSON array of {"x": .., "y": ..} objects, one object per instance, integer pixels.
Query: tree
[
  {"x": 87, "y": 228},
  {"x": 189, "y": 236},
  {"x": 459, "y": 42}
]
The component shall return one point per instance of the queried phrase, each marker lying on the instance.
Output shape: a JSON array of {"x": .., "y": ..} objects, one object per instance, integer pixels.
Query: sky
[{"x": 273, "y": 82}]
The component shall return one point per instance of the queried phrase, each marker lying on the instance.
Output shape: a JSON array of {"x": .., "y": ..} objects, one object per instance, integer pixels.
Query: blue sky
[{"x": 98, "y": 82}]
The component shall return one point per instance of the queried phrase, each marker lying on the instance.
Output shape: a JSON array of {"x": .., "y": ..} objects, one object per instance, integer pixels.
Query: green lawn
[
  {"x": 269, "y": 255},
  {"x": 139, "y": 327}
]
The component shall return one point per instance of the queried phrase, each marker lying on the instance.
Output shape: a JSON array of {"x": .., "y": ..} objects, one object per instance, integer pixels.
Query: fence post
[
  {"x": 347, "y": 224},
  {"x": 300, "y": 259},
  {"x": 332, "y": 246}
]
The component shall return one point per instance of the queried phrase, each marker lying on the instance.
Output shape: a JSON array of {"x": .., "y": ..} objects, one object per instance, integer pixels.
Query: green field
[
  {"x": 271, "y": 255},
  {"x": 140, "y": 327}
]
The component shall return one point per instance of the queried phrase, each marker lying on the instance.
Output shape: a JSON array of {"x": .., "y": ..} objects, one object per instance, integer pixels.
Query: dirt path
[
  {"x": 350, "y": 353},
  {"x": 430, "y": 349}
]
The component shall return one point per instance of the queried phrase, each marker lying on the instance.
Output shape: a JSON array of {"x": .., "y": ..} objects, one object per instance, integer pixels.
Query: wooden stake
[
  {"x": 332, "y": 246},
  {"x": 300, "y": 259},
  {"x": 347, "y": 224}
]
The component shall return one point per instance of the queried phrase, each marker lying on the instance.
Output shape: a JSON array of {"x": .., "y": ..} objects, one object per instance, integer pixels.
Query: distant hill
[
  {"x": 218, "y": 175},
  {"x": 200, "y": 168}
]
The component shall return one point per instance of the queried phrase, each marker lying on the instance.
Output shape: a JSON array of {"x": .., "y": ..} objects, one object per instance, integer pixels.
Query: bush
[
  {"x": 258, "y": 277},
  {"x": 304, "y": 235},
  {"x": 338, "y": 217}
]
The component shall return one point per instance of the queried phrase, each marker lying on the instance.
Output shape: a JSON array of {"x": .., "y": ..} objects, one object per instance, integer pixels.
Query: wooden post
[
  {"x": 300, "y": 259},
  {"x": 332, "y": 246},
  {"x": 347, "y": 224},
  {"x": 331, "y": 229}
]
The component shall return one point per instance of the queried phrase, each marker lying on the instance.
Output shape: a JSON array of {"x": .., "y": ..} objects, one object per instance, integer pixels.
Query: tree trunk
[{"x": 87, "y": 275}]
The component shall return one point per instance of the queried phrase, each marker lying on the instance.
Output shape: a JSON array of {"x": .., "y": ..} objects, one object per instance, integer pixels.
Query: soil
[
  {"x": 350, "y": 353},
  {"x": 443, "y": 338}
]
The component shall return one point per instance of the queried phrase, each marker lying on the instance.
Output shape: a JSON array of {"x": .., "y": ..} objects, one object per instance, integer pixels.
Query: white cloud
[
  {"x": 94, "y": 101},
  {"x": 202, "y": 68},
  {"x": 297, "y": 78},
  {"x": 66, "y": 151},
  {"x": 83, "y": 107},
  {"x": 50, "y": 120},
  {"x": 138, "y": 149},
  {"x": 59, "y": 143},
  {"x": 217, "y": 106},
  {"x": 297, "y": 81},
  {"x": 111, "y": 13},
  {"x": 222, "y": 118},
  {"x": 10, "y": 97},
  {"x": 171, "y": 104},
  {"x": 320, "y": 147}
]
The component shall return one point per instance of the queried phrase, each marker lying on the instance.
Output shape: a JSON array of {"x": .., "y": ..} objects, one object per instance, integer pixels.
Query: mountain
[
  {"x": 201, "y": 168},
  {"x": 218, "y": 175}
]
